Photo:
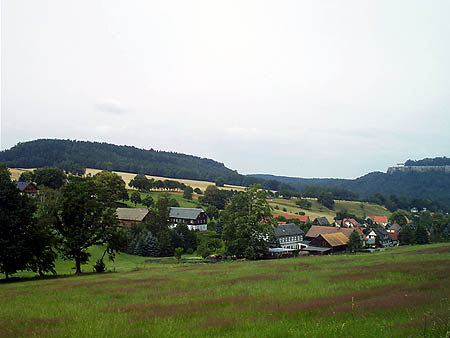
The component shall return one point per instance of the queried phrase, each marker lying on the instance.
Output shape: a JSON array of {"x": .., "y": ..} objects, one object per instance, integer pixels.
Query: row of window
[{"x": 290, "y": 239}]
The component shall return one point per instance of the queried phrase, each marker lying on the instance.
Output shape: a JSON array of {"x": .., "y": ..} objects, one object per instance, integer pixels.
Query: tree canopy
[{"x": 247, "y": 229}]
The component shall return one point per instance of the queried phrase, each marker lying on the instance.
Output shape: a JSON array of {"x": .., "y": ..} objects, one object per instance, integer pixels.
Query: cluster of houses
[{"x": 324, "y": 237}]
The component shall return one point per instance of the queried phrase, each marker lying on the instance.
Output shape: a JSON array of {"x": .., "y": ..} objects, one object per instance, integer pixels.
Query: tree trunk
[
  {"x": 78, "y": 265},
  {"x": 6, "y": 275}
]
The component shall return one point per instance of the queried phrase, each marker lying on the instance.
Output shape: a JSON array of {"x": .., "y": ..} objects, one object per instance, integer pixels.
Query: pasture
[
  {"x": 360, "y": 209},
  {"x": 401, "y": 292}
]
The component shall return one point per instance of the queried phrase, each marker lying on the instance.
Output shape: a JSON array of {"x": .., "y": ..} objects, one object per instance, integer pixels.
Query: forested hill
[
  {"x": 104, "y": 156},
  {"x": 51, "y": 152},
  {"x": 437, "y": 161},
  {"x": 433, "y": 185}
]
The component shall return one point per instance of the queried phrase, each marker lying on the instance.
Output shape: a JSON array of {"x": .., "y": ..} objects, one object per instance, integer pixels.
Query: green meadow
[
  {"x": 400, "y": 292},
  {"x": 178, "y": 196},
  {"x": 360, "y": 209}
]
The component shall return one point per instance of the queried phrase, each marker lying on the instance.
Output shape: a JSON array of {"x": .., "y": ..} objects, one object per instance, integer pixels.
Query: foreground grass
[{"x": 402, "y": 292}]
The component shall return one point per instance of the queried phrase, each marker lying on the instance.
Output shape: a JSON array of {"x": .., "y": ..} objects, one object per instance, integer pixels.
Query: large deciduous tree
[
  {"x": 110, "y": 186},
  {"x": 85, "y": 220},
  {"x": 50, "y": 177},
  {"x": 247, "y": 231}
]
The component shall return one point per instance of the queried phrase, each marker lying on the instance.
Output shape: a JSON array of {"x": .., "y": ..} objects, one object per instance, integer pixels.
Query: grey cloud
[{"x": 111, "y": 107}]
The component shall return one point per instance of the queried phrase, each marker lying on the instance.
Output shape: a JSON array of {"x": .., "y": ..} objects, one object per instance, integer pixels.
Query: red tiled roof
[
  {"x": 379, "y": 219},
  {"x": 302, "y": 218}
]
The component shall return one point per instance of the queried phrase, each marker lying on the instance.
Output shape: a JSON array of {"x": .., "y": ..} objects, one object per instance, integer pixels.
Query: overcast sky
[{"x": 297, "y": 88}]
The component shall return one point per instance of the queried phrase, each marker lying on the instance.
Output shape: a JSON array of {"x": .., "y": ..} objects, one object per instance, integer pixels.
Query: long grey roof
[
  {"x": 289, "y": 229},
  {"x": 132, "y": 214},
  {"x": 184, "y": 213}
]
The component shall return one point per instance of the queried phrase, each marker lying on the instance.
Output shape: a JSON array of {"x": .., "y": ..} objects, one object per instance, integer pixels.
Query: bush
[
  {"x": 178, "y": 252},
  {"x": 100, "y": 266}
]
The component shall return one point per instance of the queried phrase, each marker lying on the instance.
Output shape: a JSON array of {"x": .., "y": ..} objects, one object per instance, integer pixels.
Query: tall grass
[{"x": 401, "y": 292}]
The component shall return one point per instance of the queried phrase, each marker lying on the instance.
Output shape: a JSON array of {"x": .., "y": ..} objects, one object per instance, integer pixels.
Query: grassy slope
[
  {"x": 319, "y": 210},
  {"x": 184, "y": 203},
  {"x": 393, "y": 292}
]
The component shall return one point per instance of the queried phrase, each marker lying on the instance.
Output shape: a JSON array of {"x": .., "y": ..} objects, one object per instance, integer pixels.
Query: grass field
[
  {"x": 359, "y": 209},
  {"x": 401, "y": 292}
]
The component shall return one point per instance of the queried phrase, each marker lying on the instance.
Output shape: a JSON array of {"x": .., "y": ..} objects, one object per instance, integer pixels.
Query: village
[{"x": 293, "y": 234}]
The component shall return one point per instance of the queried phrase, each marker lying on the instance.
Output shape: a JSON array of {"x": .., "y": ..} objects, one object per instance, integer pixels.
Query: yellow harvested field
[
  {"x": 127, "y": 177},
  {"x": 15, "y": 172}
]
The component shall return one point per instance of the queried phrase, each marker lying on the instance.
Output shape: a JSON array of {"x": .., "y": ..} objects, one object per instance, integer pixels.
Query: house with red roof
[
  {"x": 302, "y": 218},
  {"x": 381, "y": 220},
  {"x": 347, "y": 223}
]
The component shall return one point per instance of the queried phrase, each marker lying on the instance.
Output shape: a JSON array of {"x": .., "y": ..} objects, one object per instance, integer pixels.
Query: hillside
[
  {"x": 433, "y": 185},
  {"x": 104, "y": 156},
  {"x": 360, "y": 209}
]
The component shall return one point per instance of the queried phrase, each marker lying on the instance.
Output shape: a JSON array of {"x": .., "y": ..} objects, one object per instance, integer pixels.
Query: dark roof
[
  {"x": 184, "y": 213},
  {"x": 321, "y": 220},
  {"x": 22, "y": 185},
  {"x": 132, "y": 214},
  {"x": 382, "y": 233},
  {"x": 289, "y": 229}
]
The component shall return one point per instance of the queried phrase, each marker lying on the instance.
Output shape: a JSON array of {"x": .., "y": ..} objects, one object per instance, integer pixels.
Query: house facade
[
  {"x": 289, "y": 235},
  {"x": 194, "y": 218},
  {"x": 379, "y": 237}
]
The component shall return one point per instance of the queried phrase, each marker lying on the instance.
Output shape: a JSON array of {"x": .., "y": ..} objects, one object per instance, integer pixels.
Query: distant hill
[
  {"x": 434, "y": 185},
  {"x": 105, "y": 156}
]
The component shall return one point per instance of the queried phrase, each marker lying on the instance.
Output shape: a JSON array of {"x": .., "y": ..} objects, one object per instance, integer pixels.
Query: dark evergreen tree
[
  {"x": 421, "y": 235},
  {"x": 406, "y": 235},
  {"x": 354, "y": 242},
  {"x": 16, "y": 224}
]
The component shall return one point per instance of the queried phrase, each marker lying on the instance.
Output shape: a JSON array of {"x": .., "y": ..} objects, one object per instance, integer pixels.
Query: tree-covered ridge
[
  {"x": 104, "y": 156},
  {"x": 51, "y": 152},
  {"x": 437, "y": 161}
]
